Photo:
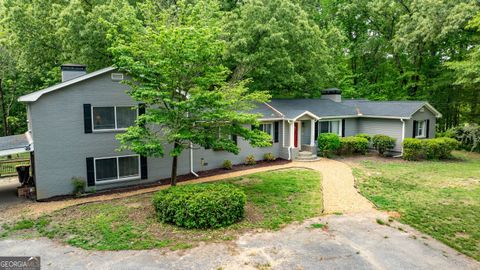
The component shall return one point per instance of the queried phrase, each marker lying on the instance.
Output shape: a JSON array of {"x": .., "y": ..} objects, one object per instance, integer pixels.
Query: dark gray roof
[
  {"x": 386, "y": 108},
  {"x": 293, "y": 108},
  {"x": 266, "y": 111},
  {"x": 13, "y": 142}
]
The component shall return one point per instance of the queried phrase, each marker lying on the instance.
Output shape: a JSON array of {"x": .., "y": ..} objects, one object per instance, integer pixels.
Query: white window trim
[
  {"x": 424, "y": 130},
  {"x": 114, "y": 116},
  {"x": 271, "y": 128},
  {"x": 119, "y": 179},
  {"x": 340, "y": 128}
]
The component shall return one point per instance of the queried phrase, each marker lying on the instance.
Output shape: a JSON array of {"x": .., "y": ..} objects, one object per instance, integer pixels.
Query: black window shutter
[
  {"x": 275, "y": 131},
  {"x": 414, "y": 128},
  {"x": 143, "y": 167},
  {"x": 428, "y": 128},
  {"x": 90, "y": 172},
  {"x": 343, "y": 127},
  {"x": 235, "y": 139},
  {"x": 316, "y": 130},
  {"x": 87, "y": 117}
]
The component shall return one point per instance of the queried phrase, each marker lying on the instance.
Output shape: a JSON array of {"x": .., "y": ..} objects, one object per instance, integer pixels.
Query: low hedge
[
  {"x": 353, "y": 145},
  {"x": 328, "y": 143},
  {"x": 201, "y": 205},
  {"x": 364, "y": 135},
  {"x": 383, "y": 143},
  {"x": 438, "y": 148}
]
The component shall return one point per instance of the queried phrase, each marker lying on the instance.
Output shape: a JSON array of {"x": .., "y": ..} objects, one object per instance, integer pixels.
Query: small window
[
  {"x": 267, "y": 128},
  {"x": 117, "y": 76},
  {"x": 421, "y": 129},
  {"x": 117, "y": 168},
  {"x": 113, "y": 118}
]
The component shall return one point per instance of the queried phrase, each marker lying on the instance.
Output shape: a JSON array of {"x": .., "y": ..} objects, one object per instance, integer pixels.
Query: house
[{"x": 72, "y": 128}]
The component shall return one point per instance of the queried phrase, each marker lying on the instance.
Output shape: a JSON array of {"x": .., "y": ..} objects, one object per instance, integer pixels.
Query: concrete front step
[
  {"x": 304, "y": 153},
  {"x": 308, "y": 159}
]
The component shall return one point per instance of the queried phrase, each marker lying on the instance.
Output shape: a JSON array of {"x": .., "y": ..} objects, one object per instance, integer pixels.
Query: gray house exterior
[{"x": 69, "y": 136}]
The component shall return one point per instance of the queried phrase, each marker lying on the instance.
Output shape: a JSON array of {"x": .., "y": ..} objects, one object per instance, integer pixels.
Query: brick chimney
[
  {"x": 72, "y": 71},
  {"x": 333, "y": 94}
]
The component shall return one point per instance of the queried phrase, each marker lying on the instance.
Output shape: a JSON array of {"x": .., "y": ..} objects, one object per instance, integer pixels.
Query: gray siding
[
  {"x": 389, "y": 127},
  {"x": 419, "y": 116},
  {"x": 61, "y": 145},
  {"x": 351, "y": 127},
  {"x": 306, "y": 128}
]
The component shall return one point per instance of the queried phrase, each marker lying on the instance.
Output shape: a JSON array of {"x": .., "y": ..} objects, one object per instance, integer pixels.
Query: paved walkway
[
  {"x": 353, "y": 240},
  {"x": 338, "y": 191}
]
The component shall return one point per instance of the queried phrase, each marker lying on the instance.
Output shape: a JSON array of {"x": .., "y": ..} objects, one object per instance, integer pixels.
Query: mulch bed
[{"x": 180, "y": 178}]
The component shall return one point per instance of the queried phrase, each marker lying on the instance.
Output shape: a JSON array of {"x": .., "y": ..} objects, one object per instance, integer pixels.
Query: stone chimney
[
  {"x": 333, "y": 94},
  {"x": 72, "y": 71}
]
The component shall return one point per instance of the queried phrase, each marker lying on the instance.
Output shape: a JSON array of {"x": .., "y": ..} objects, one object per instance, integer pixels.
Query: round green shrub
[
  {"x": 365, "y": 136},
  {"x": 383, "y": 143},
  {"x": 353, "y": 145},
  {"x": 227, "y": 164},
  {"x": 438, "y": 148},
  {"x": 269, "y": 157},
  {"x": 413, "y": 149},
  {"x": 250, "y": 160},
  {"x": 328, "y": 143},
  {"x": 201, "y": 205}
]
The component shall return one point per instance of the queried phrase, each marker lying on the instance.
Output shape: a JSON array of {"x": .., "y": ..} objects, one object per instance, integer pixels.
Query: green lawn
[
  {"x": 440, "y": 198},
  {"x": 273, "y": 199}
]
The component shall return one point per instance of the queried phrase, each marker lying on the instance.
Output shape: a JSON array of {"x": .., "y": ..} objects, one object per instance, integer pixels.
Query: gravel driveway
[{"x": 353, "y": 241}]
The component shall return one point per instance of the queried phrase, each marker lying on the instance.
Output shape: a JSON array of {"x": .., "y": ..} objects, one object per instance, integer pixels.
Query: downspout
[
  {"x": 191, "y": 156},
  {"x": 403, "y": 136},
  {"x": 191, "y": 160}
]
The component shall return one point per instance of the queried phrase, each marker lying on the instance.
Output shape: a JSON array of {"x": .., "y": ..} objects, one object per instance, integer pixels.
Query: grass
[
  {"x": 318, "y": 225},
  {"x": 274, "y": 199},
  {"x": 440, "y": 198}
]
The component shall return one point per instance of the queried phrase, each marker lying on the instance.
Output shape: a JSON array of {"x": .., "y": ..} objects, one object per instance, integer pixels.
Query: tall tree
[
  {"x": 278, "y": 46},
  {"x": 174, "y": 58},
  {"x": 467, "y": 76}
]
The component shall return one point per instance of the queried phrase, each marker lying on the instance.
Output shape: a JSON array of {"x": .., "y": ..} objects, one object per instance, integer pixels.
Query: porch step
[
  {"x": 306, "y": 156},
  {"x": 304, "y": 153}
]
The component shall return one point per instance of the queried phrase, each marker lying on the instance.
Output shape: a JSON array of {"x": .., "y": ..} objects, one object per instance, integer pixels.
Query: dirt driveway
[{"x": 351, "y": 240}]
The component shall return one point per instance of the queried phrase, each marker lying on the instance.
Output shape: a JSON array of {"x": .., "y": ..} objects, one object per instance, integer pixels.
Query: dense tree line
[{"x": 376, "y": 49}]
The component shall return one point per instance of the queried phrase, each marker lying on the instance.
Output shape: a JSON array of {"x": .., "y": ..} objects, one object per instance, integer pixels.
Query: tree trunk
[
  {"x": 4, "y": 113},
  {"x": 174, "y": 167}
]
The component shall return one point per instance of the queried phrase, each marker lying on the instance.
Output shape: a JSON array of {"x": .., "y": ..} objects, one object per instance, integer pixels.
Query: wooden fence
[{"x": 8, "y": 167}]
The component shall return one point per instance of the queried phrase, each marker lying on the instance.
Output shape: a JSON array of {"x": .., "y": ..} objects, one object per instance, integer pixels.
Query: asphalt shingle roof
[
  {"x": 292, "y": 108},
  {"x": 13, "y": 142},
  {"x": 386, "y": 108}
]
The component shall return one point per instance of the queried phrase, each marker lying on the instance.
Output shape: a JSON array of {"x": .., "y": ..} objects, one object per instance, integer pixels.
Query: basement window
[{"x": 110, "y": 169}]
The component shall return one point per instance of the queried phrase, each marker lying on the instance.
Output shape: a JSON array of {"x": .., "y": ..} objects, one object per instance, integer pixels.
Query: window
[
  {"x": 117, "y": 168},
  {"x": 267, "y": 128},
  {"x": 113, "y": 118},
  {"x": 330, "y": 126},
  {"x": 420, "y": 132}
]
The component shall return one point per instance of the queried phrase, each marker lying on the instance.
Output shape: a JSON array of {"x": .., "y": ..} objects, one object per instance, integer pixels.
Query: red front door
[{"x": 295, "y": 135}]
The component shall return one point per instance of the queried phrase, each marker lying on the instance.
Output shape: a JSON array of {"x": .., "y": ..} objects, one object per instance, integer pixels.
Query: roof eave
[{"x": 32, "y": 97}]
